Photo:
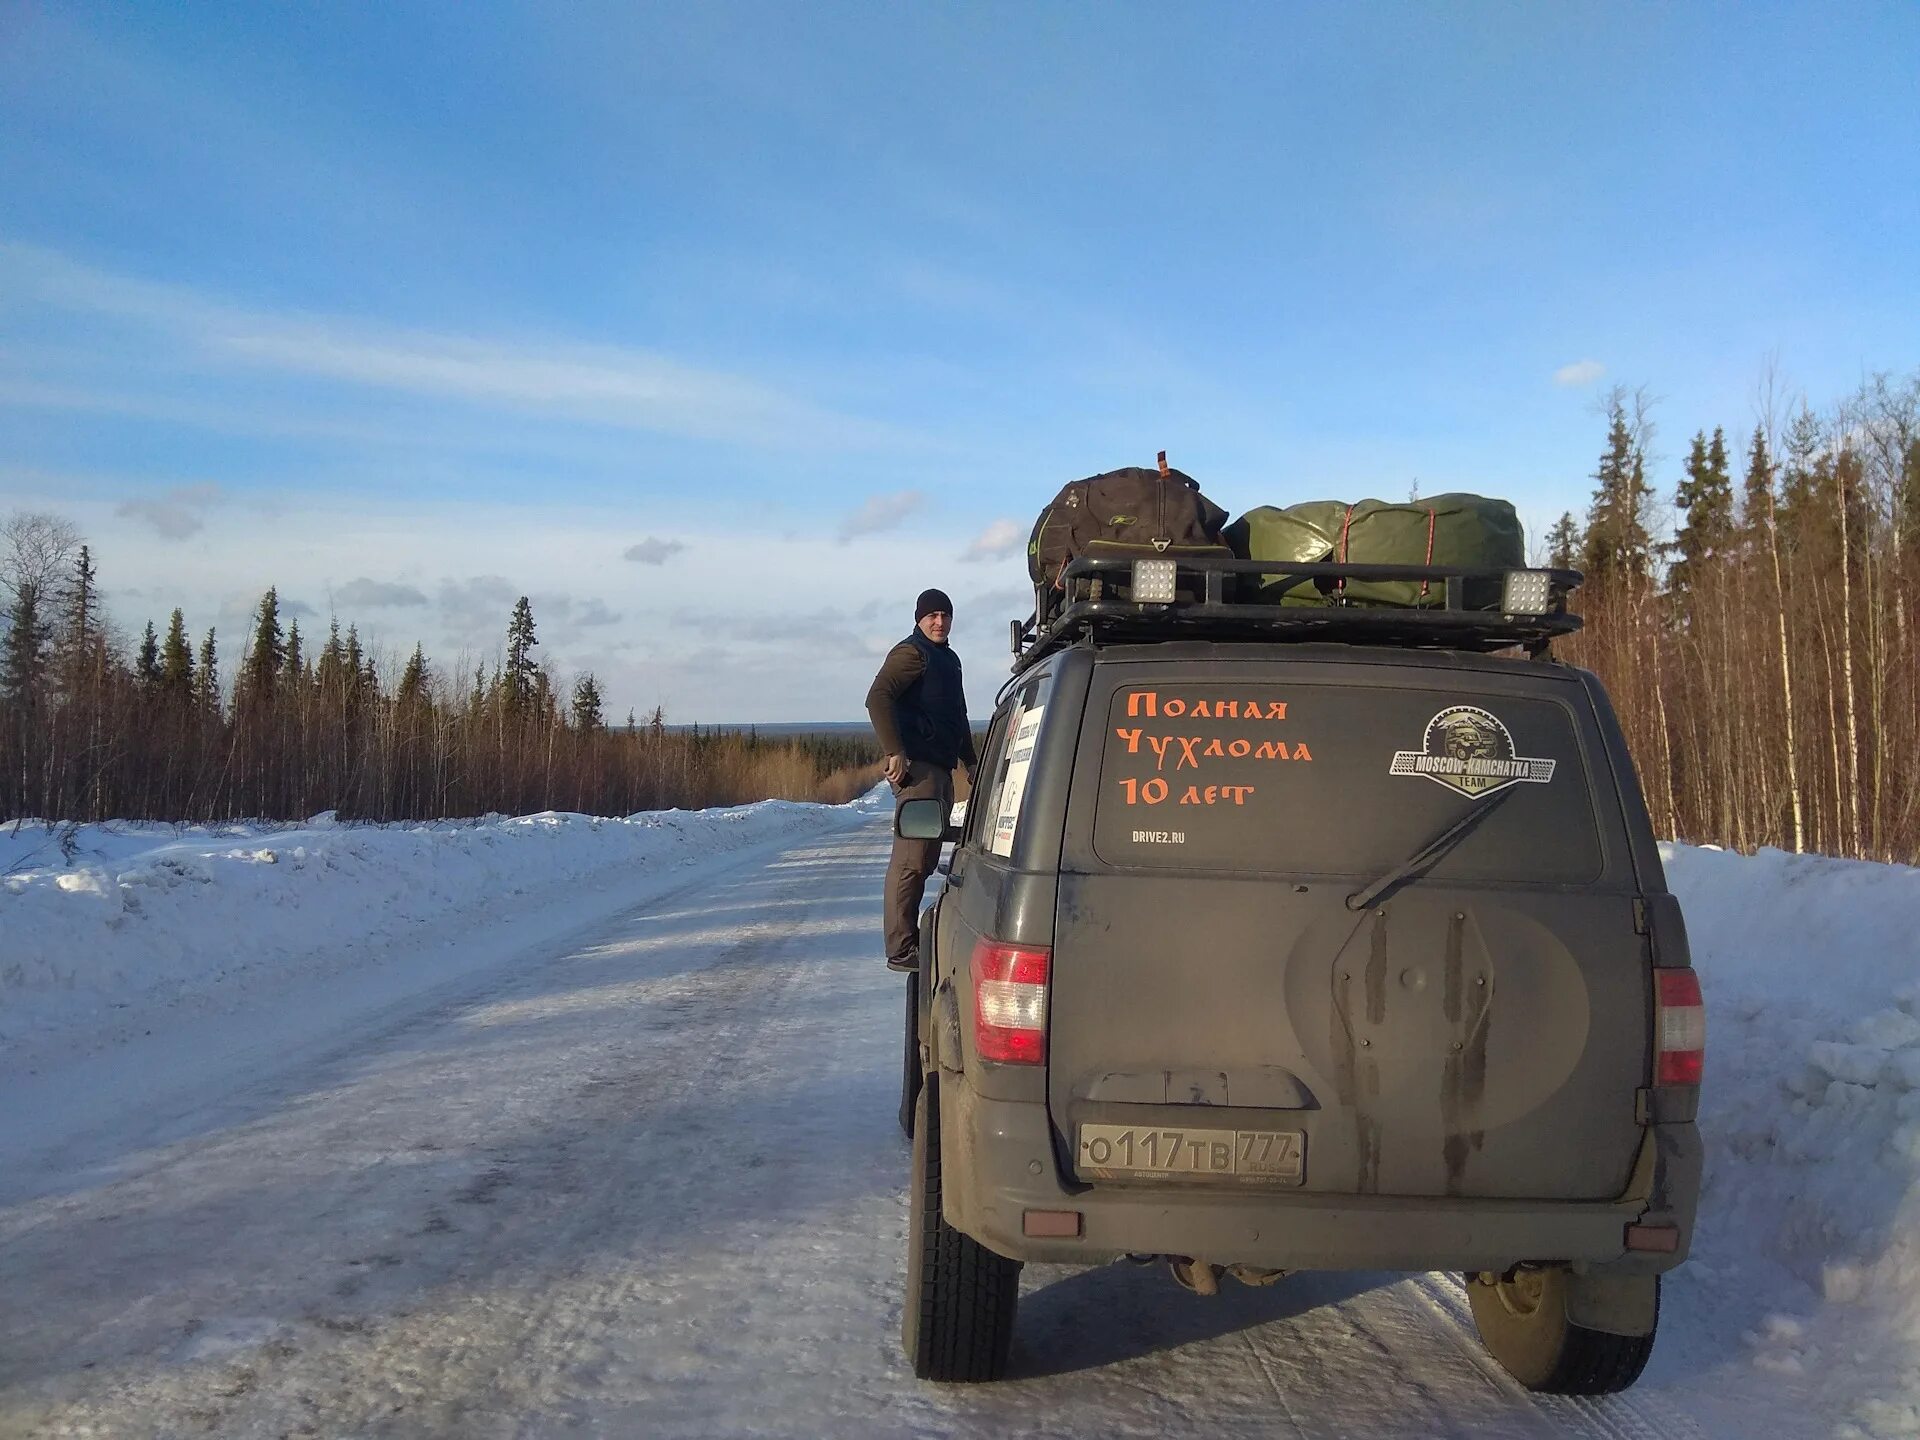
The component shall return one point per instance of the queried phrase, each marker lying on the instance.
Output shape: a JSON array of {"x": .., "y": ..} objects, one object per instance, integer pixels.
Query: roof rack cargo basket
[{"x": 1120, "y": 599}]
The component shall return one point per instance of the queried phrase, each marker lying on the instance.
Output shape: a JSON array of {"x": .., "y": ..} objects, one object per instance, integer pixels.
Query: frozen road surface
[{"x": 646, "y": 1180}]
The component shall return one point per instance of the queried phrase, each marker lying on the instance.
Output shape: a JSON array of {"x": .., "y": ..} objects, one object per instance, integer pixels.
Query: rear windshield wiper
[{"x": 1427, "y": 853}]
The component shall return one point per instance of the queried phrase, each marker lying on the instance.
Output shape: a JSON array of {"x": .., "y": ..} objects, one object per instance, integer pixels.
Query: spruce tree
[
  {"x": 176, "y": 659},
  {"x": 522, "y": 674},
  {"x": 1908, "y": 488},
  {"x": 80, "y": 633},
  {"x": 360, "y": 680},
  {"x": 1564, "y": 543},
  {"x": 587, "y": 703},
  {"x": 1756, "y": 490},
  {"x": 206, "y": 684},
  {"x": 265, "y": 658},
  {"x": 413, "y": 680},
  {"x": 24, "y": 659},
  {"x": 293, "y": 660},
  {"x": 1802, "y": 508},
  {"x": 1705, "y": 500},
  {"x": 146, "y": 667},
  {"x": 330, "y": 675},
  {"x": 1618, "y": 550}
]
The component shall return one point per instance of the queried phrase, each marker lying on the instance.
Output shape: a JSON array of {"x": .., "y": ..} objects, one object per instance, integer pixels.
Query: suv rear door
[{"x": 1481, "y": 1031}]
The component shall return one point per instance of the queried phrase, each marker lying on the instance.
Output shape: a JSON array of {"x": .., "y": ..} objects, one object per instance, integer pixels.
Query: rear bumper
[{"x": 1000, "y": 1164}]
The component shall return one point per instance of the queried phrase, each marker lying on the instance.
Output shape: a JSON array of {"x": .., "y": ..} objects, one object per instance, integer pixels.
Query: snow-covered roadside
[
  {"x": 1802, "y": 1302},
  {"x": 149, "y": 924},
  {"x": 1810, "y": 1220}
]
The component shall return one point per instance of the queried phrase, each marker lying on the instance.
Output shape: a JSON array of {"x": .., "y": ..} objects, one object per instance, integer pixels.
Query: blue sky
[{"x": 413, "y": 309}]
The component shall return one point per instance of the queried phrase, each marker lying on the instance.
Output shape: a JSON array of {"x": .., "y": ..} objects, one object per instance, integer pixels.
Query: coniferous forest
[
  {"x": 1765, "y": 658},
  {"x": 1758, "y": 626},
  {"x": 93, "y": 728}
]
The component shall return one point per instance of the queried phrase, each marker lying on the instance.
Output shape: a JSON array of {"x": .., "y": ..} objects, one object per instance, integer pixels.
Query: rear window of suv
[{"x": 1341, "y": 780}]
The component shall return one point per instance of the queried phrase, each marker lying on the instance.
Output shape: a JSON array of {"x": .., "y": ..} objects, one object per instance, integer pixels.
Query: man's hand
[
  {"x": 973, "y": 773},
  {"x": 895, "y": 770}
]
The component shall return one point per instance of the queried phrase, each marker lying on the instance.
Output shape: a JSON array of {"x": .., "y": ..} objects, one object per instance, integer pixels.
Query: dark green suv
[{"x": 1286, "y": 939}]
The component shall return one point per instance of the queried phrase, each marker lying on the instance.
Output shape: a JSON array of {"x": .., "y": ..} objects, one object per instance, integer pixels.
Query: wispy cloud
[
  {"x": 378, "y": 594},
  {"x": 614, "y": 386},
  {"x": 999, "y": 540},
  {"x": 1581, "y": 372},
  {"x": 881, "y": 512},
  {"x": 654, "y": 551},
  {"x": 176, "y": 515},
  {"x": 477, "y": 606},
  {"x": 594, "y": 611}
]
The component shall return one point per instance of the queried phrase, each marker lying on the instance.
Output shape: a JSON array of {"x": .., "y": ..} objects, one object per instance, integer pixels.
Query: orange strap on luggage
[{"x": 1424, "y": 584}]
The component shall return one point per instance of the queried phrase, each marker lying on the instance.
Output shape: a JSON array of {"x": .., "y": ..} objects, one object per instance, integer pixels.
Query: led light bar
[
  {"x": 1153, "y": 582},
  {"x": 1527, "y": 592}
]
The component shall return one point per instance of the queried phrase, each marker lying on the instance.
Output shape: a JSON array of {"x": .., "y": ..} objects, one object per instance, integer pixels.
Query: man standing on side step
[{"x": 918, "y": 706}]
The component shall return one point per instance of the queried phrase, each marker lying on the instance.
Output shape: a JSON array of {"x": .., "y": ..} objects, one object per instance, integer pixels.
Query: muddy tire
[
  {"x": 961, "y": 1297},
  {"x": 910, "y": 1062},
  {"x": 1523, "y": 1323}
]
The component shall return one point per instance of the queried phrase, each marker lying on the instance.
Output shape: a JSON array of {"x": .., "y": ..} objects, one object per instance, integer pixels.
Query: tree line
[
  {"x": 1758, "y": 630},
  {"x": 93, "y": 728},
  {"x": 1765, "y": 656}
]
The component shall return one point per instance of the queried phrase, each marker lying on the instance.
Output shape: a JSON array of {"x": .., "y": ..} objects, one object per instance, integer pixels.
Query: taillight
[
  {"x": 1010, "y": 1002},
  {"x": 1680, "y": 1028}
]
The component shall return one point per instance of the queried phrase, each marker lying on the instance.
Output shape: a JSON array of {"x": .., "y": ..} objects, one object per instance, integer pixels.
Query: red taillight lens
[
  {"x": 1010, "y": 1002},
  {"x": 1680, "y": 1024}
]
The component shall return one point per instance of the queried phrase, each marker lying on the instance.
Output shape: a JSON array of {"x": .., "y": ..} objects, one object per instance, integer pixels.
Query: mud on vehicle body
[{"x": 1264, "y": 955}]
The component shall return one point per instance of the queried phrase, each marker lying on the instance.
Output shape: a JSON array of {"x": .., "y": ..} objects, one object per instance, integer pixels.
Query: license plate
[{"x": 1115, "y": 1152}]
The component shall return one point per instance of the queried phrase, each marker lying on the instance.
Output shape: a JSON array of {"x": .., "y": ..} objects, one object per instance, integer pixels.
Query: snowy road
[{"x": 649, "y": 1182}]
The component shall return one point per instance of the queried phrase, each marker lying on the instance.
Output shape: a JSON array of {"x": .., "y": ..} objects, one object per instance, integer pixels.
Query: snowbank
[
  {"x": 1811, "y": 1117},
  {"x": 142, "y": 920},
  {"x": 1804, "y": 1290}
]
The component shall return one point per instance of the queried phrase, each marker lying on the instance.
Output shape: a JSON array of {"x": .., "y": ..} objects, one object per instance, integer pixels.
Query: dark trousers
[{"x": 913, "y": 860}]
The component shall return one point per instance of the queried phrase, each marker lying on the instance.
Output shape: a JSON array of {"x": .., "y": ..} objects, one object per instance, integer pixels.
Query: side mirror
[{"x": 924, "y": 819}]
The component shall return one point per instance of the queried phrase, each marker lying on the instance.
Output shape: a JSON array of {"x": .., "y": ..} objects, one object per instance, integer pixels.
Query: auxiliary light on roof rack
[
  {"x": 1154, "y": 581},
  {"x": 1160, "y": 598}
]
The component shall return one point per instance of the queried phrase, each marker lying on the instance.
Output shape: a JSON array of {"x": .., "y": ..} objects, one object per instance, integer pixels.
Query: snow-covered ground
[
  {"x": 110, "y": 928},
  {"x": 551, "y": 1124}
]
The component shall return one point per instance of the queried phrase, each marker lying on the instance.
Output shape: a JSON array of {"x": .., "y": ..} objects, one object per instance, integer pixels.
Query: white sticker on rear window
[
  {"x": 1470, "y": 750},
  {"x": 1013, "y": 789}
]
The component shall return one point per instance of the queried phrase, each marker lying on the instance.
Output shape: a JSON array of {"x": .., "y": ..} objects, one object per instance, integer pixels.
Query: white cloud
[
  {"x": 881, "y": 512},
  {"x": 477, "y": 607},
  {"x": 999, "y": 540},
  {"x": 178, "y": 514},
  {"x": 620, "y": 387},
  {"x": 846, "y": 614},
  {"x": 1581, "y": 372},
  {"x": 375, "y": 594},
  {"x": 654, "y": 551}
]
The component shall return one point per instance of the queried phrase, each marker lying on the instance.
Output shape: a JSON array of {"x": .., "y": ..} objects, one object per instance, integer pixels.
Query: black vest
[{"x": 932, "y": 712}]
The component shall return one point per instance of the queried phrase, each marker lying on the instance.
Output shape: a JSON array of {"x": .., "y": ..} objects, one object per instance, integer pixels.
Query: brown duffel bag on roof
[{"x": 1130, "y": 512}]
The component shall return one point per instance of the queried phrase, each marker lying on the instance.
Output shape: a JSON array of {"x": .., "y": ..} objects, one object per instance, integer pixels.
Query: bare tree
[{"x": 37, "y": 547}]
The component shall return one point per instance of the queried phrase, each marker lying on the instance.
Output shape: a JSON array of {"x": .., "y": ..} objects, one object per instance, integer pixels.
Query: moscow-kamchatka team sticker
[{"x": 1470, "y": 750}]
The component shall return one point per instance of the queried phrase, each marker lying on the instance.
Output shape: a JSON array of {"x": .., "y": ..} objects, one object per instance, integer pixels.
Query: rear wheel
[
  {"x": 910, "y": 1063},
  {"x": 961, "y": 1296},
  {"x": 1523, "y": 1323}
]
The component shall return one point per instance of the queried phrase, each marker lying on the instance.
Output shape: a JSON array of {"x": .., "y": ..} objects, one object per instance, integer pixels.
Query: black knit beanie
[{"x": 930, "y": 601}]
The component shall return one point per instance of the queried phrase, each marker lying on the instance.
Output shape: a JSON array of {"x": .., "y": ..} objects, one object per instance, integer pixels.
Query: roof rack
[{"x": 1088, "y": 604}]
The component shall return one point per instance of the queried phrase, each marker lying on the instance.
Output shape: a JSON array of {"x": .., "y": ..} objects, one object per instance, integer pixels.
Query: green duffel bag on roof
[
  {"x": 1297, "y": 533},
  {"x": 1464, "y": 530},
  {"x": 1461, "y": 530}
]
